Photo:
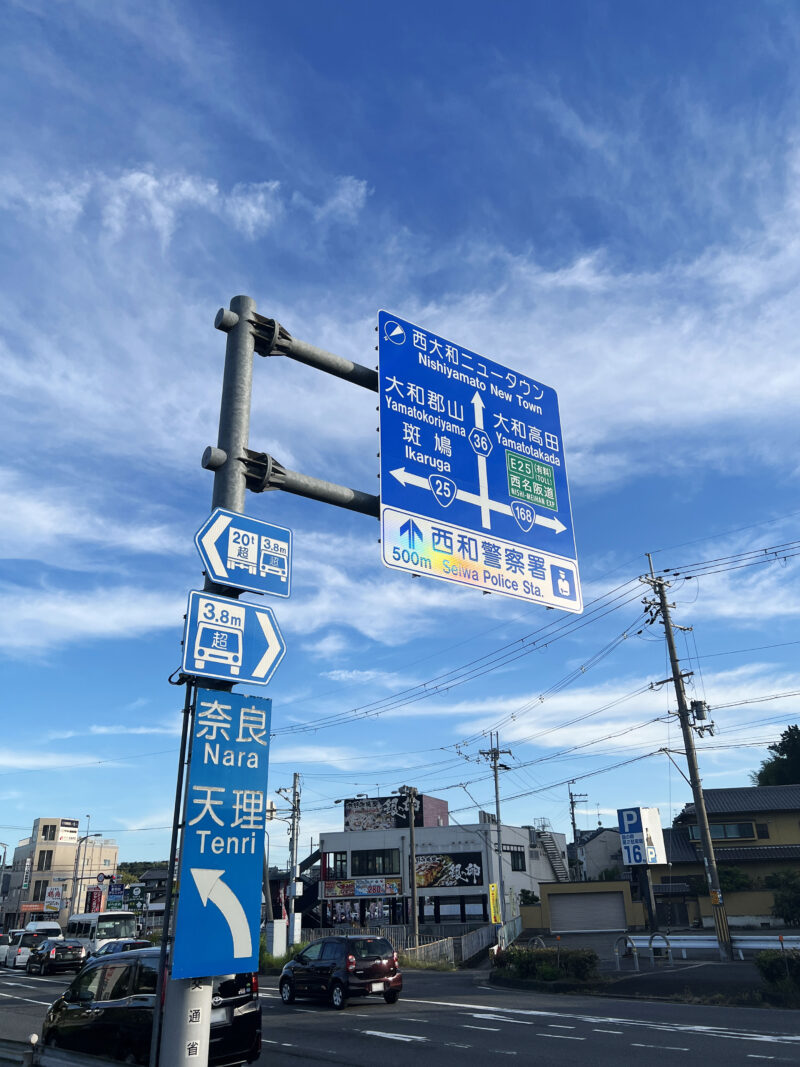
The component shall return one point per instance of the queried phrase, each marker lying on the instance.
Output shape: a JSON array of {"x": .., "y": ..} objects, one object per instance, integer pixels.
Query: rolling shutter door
[{"x": 572, "y": 913}]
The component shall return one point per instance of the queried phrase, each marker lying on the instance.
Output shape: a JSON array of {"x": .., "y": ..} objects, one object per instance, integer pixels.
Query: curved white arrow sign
[{"x": 211, "y": 887}]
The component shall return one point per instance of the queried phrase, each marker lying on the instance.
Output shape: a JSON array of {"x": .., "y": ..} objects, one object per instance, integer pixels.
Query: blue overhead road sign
[
  {"x": 246, "y": 553},
  {"x": 231, "y": 640},
  {"x": 219, "y": 907},
  {"x": 473, "y": 475}
]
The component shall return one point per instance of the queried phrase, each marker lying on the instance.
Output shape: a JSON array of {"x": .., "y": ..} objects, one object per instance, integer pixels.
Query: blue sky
[{"x": 602, "y": 196}]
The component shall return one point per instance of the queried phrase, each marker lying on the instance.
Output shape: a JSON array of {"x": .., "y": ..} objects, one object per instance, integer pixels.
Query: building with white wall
[{"x": 366, "y": 872}]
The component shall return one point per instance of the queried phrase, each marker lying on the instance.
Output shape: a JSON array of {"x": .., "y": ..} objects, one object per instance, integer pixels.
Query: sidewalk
[{"x": 698, "y": 977}]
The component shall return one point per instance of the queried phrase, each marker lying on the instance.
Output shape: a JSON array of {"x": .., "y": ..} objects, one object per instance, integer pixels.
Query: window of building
[
  {"x": 48, "y": 832},
  {"x": 725, "y": 831},
  {"x": 39, "y": 889},
  {"x": 517, "y": 861},
  {"x": 106, "y": 863},
  {"x": 762, "y": 830},
  {"x": 375, "y": 861},
  {"x": 45, "y": 861},
  {"x": 335, "y": 866}
]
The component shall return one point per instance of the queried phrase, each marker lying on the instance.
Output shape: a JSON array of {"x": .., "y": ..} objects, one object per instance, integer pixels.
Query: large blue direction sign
[
  {"x": 473, "y": 475},
  {"x": 219, "y": 906},
  {"x": 246, "y": 553},
  {"x": 227, "y": 639}
]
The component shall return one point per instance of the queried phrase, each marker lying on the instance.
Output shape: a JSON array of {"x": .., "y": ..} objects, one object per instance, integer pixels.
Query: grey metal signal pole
[{"x": 183, "y": 1041}]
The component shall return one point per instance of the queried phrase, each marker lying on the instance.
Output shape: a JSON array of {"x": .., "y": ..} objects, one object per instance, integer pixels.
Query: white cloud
[
  {"x": 47, "y": 520},
  {"x": 36, "y": 621}
]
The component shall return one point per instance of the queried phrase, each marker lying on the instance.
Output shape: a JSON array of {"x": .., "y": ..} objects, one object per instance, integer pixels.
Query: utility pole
[
  {"x": 411, "y": 794},
  {"x": 659, "y": 585},
  {"x": 294, "y": 841},
  {"x": 493, "y": 755},
  {"x": 573, "y": 800}
]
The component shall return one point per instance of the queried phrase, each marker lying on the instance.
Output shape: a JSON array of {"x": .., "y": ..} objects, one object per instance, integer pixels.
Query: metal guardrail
[
  {"x": 436, "y": 952},
  {"x": 16, "y": 1052},
  {"x": 626, "y": 939},
  {"x": 708, "y": 943}
]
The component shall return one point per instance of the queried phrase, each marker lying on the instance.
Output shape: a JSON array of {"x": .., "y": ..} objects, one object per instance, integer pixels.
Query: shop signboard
[
  {"x": 449, "y": 870},
  {"x": 68, "y": 832}
]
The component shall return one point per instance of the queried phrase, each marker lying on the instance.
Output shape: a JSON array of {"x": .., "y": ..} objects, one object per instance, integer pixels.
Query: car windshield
[
  {"x": 116, "y": 927},
  {"x": 363, "y": 947}
]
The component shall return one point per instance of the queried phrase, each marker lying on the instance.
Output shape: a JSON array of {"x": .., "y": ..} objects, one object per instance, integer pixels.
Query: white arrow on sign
[
  {"x": 483, "y": 500},
  {"x": 275, "y": 646},
  {"x": 211, "y": 887},
  {"x": 209, "y": 543},
  {"x": 405, "y": 477}
]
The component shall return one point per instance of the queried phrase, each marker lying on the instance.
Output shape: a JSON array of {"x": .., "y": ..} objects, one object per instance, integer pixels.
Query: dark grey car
[{"x": 336, "y": 968}]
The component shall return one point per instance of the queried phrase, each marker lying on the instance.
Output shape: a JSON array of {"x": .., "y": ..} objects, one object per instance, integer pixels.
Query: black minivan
[
  {"x": 336, "y": 968},
  {"x": 108, "y": 1011}
]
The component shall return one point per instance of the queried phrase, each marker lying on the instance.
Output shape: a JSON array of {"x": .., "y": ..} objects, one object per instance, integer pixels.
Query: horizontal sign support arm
[
  {"x": 272, "y": 339},
  {"x": 263, "y": 472}
]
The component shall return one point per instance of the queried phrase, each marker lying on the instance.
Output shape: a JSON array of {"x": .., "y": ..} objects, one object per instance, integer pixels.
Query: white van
[{"x": 48, "y": 929}]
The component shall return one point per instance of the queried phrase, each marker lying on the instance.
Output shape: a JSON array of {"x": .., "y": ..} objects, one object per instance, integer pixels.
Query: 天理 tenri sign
[
  {"x": 473, "y": 476},
  {"x": 219, "y": 910}
]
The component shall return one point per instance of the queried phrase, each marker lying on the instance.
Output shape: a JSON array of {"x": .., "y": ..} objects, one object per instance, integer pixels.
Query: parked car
[
  {"x": 5, "y": 941},
  {"x": 108, "y": 1011},
  {"x": 336, "y": 968},
  {"x": 46, "y": 929},
  {"x": 124, "y": 944},
  {"x": 20, "y": 948},
  {"x": 55, "y": 954}
]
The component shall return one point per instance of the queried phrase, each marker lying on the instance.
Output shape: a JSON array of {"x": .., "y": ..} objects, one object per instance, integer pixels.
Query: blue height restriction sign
[
  {"x": 219, "y": 905},
  {"x": 473, "y": 475},
  {"x": 228, "y": 639},
  {"x": 246, "y": 553}
]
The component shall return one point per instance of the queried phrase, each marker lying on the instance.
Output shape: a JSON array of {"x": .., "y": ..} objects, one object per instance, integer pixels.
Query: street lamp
[{"x": 76, "y": 895}]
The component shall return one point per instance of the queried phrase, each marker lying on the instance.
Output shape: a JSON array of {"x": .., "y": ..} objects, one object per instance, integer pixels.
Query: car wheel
[
  {"x": 338, "y": 996},
  {"x": 44, "y": 968},
  {"x": 287, "y": 992},
  {"x": 28, "y": 968},
  {"x": 390, "y": 996},
  {"x": 51, "y": 1041}
]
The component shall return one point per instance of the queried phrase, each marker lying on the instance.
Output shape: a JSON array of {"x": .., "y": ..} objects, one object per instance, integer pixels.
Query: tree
[
  {"x": 783, "y": 767},
  {"x": 785, "y": 888}
]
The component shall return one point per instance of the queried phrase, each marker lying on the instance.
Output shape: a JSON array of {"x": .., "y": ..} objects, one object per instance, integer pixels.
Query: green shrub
[
  {"x": 548, "y": 964},
  {"x": 779, "y": 969},
  {"x": 269, "y": 964}
]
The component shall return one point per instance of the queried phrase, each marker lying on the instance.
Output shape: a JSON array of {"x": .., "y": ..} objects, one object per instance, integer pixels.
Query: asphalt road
[{"x": 447, "y": 1018}]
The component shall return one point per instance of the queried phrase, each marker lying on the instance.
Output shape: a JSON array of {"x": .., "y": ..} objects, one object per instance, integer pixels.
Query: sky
[{"x": 603, "y": 197}]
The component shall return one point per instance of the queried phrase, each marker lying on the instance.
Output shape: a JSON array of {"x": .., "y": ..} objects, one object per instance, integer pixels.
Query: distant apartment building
[{"x": 54, "y": 872}]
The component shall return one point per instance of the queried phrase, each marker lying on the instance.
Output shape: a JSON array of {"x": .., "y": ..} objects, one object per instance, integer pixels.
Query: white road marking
[
  {"x": 664, "y": 1048},
  {"x": 753, "y": 1056},
  {"x": 393, "y": 1037},
  {"x": 561, "y": 1026},
  {"x": 494, "y": 1029},
  {"x": 598, "y": 1031},
  {"x": 16, "y": 996},
  {"x": 452, "y": 1044},
  {"x": 677, "y": 1028},
  {"x": 504, "y": 1019},
  {"x": 562, "y": 1037}
]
